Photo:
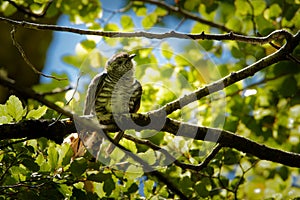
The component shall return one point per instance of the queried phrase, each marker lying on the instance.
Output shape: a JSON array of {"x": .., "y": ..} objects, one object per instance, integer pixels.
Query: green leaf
[
  {"x": 66, "y": 154},
  {"x": 283, "y": 172},
  {"x": 88, "y": 44},
  {"x": 224, "y": 180},
  {"x": 236, "y": 52},
  {"x": 52, "y": 157},
  {"x": 133, "y": 188},
  {"x": 65, "y": 190},
  {"x": 31, "y": 165},
  {"x": 166, "y": 50},
  {"x": 273, "y": 12},
  {"x": 186, "y": 185},
  {"x": 148, "y": 188},
  {"x": 190, "y": 4},
  {"x": 36, "y": 113},
  {"x": 78, "y": 166},
  {"x": 109, "y": 186},
  {"x": 242, "y": 7},
  {"x": 149, "y": 21},
  {"x": 264, "y": 26},
  {"x": 126, "y": 22},
  {"x": 160, "y": 11},
  {"x": 3, "y": 109},
  {"x": 206, "y": 44},
  {"x": 72, "y": 60},
  {"x": 15, "y": 108},
  {"x": 259, "y": 7},
  {"x": 40, "y": 159},
  {"x": 288, "y": 86},
  {"x": 111, "y": 27},
  {"x": 238, "y": 180},
  {"x": 235, "y": 23},
  {"x": 148, "y": 156},
  {"x": 98, "y": 176},
  {"x": 9, "y": 10},
  {"x": 199, "y": 28},
  {"x": 4, "y": 117},
  {"x": 201, "y": 189},
  {"x": 231, "y": 157},
  {"x": 128, "y": 144},
  {"x": 181, "y": 61},
  {"x": 140, "y": 11}
]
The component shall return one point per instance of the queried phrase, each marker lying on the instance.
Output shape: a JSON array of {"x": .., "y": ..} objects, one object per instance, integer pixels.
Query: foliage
[
  {"x": 13, "y": 111},
  {"x": 264, "y": 108}
]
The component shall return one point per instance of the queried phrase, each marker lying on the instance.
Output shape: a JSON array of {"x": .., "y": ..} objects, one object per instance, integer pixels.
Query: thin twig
[
  {"x": 155, "y": 147},
  {"x": 75, "y": 90},
  {"x": 21, "y": 51},
  {"x": 185, "y": 14},
  {"x": 57, "y": 91}
]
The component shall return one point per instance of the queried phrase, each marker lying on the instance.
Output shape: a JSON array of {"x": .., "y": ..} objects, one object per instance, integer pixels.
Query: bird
[{"x": 113, "y": 92}]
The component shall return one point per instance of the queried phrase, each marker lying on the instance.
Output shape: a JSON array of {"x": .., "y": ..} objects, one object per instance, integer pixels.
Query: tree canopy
[{"x": 219, "y": 117}]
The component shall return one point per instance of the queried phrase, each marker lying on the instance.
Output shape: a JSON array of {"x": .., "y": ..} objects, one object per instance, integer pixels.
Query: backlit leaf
[
  {"x": 15, "y": 108},
  {"x": 36, "y": 113}
]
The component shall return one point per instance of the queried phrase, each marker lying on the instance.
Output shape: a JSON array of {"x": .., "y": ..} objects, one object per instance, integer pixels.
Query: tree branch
[
  {"x": 229, "y": 139},
  {"x": 278, "y": 34},
  {"x": 234, "y": 77},
  {"x": 40, "y": 128},
  {"x": 33, "y": 129}
]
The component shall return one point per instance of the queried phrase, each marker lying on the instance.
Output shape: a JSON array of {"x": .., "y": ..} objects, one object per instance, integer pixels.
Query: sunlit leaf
[
  {"x": 140, "y": 11},
  {"x": 15, "y": 108},
  {"x": 88, "y": 44},
  {"x": 128, "y": 144},
  {"x": 36, "y": 113},
  {"x": 149, "y": 156},
  {"x": 149, "y": 20},
  {"x": 160, "y": 11},
  {"x": 126, "y": 22},
  {"x": 111, "y": 27},
  {"x": 166, "y": 50}
]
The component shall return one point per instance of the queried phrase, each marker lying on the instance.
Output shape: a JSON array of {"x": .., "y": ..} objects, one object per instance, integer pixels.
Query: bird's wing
[
  {"x": 93, "y": 89},
  {"x": 136, "y": 97}
]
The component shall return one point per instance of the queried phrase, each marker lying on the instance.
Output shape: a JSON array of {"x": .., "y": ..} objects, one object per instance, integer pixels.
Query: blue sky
[{"x": 64, "y": 43}]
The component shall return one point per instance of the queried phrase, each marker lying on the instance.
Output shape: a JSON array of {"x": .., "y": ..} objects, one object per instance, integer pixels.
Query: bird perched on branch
[{"x": 113, "y": 92}]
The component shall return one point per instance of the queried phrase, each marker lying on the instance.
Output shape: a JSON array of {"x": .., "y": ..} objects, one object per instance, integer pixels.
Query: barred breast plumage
[{"x": 115, "y": 91}]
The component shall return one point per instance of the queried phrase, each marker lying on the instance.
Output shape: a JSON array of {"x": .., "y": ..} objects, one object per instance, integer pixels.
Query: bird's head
[{"x": 120, "y": 63}]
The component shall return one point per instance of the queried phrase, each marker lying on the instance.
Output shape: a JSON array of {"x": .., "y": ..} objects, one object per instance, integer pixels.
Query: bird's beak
[{"x": 132, "y": 56}]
